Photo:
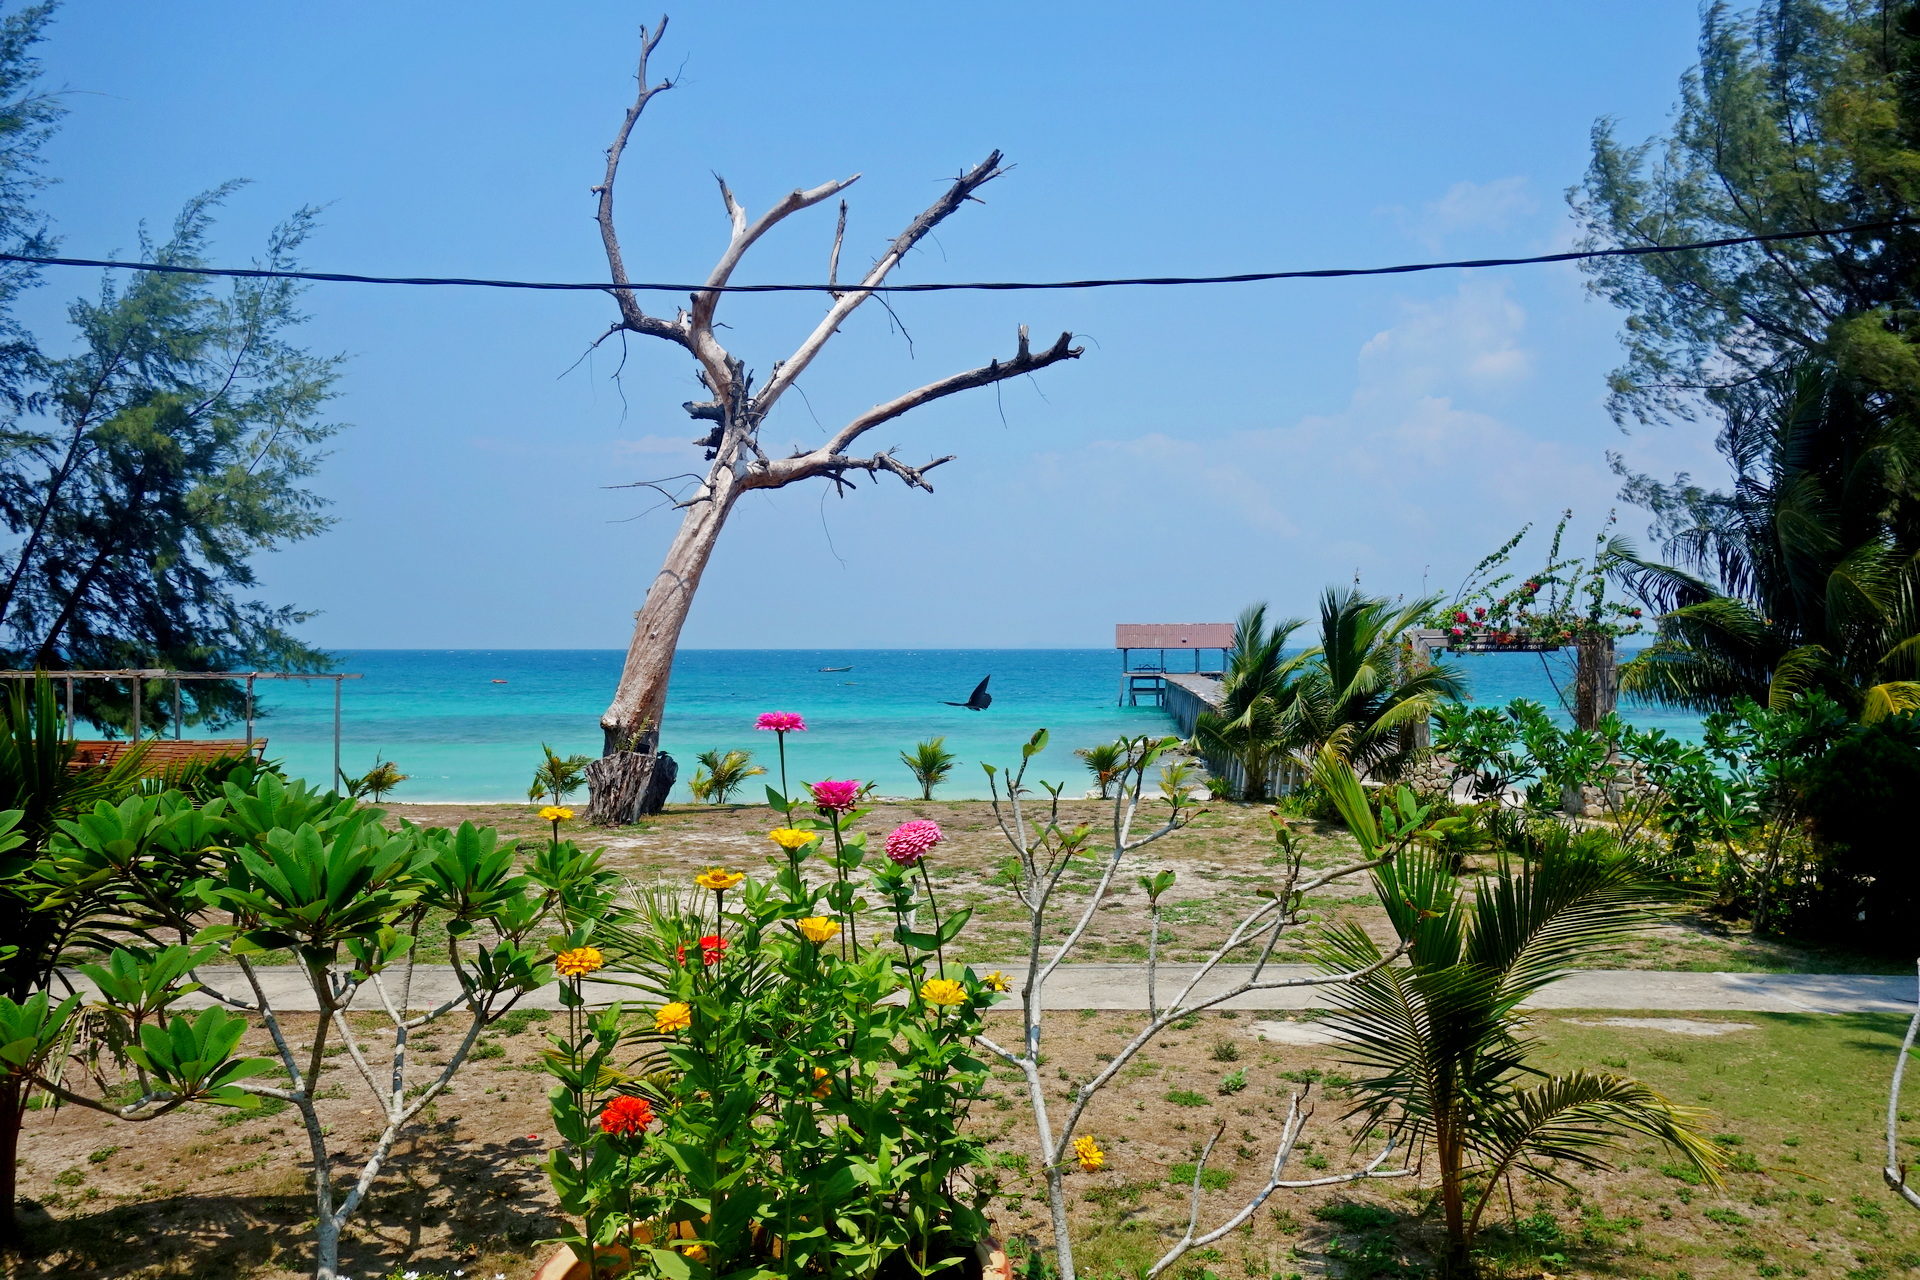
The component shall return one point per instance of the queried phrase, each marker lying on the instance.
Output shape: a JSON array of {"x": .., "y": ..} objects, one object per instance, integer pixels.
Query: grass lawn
[{"x": 1798, "y": 1098}]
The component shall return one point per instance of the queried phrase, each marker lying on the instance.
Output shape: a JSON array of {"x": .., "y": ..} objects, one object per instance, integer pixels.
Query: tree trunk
[
  {"x": 632, "y": 777},
  {"x": 1596, "y": 681},
  {"x": 13, "y": 1105}
]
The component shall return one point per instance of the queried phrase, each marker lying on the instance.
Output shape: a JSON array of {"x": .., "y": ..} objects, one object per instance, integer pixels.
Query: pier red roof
[{"x": 1173, "y": 635}]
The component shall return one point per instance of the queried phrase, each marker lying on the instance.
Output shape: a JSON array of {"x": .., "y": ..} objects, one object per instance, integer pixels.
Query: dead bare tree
[{"x": 632, "y": 777}]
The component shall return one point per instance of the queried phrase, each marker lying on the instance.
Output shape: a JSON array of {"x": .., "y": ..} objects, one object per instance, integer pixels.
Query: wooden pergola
[
  {"x": 137, "y": 677},
  {"x": 1596, "y": 677}
]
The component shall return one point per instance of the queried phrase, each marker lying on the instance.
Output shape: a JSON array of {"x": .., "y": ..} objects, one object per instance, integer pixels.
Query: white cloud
[
  {"x": 1476, "y": 206},
  {"x": 1418, "y": 468}
]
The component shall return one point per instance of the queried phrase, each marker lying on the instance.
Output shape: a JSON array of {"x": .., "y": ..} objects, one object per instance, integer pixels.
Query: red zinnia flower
[
  {"x": 626, "y": 1115},
  {"x": 780, "y": 722},
  {"x": 713, "y": 949},
  {"x": 909, "y": 842}
]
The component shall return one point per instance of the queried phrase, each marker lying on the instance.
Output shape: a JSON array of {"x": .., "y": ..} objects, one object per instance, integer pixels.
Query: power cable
[{"x": 1251, "y": 277}]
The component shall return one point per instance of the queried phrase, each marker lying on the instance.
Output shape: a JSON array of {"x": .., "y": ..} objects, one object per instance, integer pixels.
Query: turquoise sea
[{"x": 439, "y": 714}]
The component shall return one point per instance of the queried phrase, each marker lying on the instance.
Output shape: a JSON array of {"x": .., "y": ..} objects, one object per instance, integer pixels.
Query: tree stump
[
  {"x": 1596, "y": 681},
  {"x": 626, "y": 786}
]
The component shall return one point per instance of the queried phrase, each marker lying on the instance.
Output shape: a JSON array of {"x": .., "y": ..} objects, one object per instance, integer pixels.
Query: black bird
[{"x": 978, "y": 700}]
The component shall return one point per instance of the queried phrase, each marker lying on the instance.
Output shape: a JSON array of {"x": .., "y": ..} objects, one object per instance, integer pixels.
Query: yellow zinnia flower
[
  {"x": 717, "y": 880},
  {"x": 822, "y": 1082},
  {"x": 696, "y": 1252},
  {"x": 579, "y": 962},
  {"x": 556, "y": 813},
  {"x": 943, "y": 991},
  {"x": 1089, "y": 1154},
  {"x": 791, "y": 838},
  {"x": 668, "y": 1018},
  {"x": 996, "y": 981},
  {"x": 819, "y": 928}
]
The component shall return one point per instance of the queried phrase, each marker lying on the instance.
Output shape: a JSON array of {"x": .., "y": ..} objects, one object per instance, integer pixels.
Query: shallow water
[{"x": 438, "y": 714}]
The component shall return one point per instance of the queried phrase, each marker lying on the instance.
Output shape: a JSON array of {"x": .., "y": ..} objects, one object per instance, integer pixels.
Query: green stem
[{"x": 939, "y": 949}]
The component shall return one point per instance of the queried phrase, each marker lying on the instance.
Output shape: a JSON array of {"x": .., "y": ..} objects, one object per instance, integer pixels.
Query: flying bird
[{"x": 978, "y": 700}]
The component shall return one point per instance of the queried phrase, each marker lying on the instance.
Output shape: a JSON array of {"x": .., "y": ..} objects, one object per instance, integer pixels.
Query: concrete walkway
[{"x": 1124, "y": 986}]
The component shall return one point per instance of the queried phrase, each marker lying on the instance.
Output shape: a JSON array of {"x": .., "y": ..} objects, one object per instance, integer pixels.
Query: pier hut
[{"x": 1145, "y": 675}]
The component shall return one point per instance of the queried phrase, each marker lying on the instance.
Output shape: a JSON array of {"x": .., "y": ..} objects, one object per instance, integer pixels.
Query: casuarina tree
[{"x": 632, "y": 778}]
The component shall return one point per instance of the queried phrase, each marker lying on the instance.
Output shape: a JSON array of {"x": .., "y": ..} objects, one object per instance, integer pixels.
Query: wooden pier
[{"x": 1147, "y": 678}]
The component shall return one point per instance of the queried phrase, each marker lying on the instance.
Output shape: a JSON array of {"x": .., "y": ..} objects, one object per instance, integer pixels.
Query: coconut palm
[
  {"x": 1448, "y": 1064},
  {"x": 1107, "y": 762},
  {"x": 930, "y": 762},
  {"x": 558, "y": 776},
  {"x": 377, "y": 781},
  {"x": 1357, "y": 691},
  {"x": 1806, "y": 576},
  {"x": 1253, "y": 725},
  {"x": 720, "y": 774}
]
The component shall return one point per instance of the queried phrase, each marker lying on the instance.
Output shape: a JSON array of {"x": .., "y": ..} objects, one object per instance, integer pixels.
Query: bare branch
[
  {"x": 631, "y": 315},
  {"x": 839, "y": 238},
  {"x": 835, "y": 469},
  {"x": 1896, "y": 1169},
  {"x": 844, "y": 305},
  {"x": 1025, "y": 360}
]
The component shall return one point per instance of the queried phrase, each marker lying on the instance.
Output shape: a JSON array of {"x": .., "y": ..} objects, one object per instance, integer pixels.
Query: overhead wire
[{"x": 843, "y": 287}]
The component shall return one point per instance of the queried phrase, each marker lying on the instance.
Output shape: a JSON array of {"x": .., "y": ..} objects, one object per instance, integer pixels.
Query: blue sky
[{"x": 1213, "y": 447}]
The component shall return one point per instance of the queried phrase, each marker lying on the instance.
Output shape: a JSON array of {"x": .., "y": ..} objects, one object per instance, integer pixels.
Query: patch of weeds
[
  {"x": 1233, "y": 1082},
  {"x": 1727, "y": 1217},
  {"x": 1666, "y": 1054},
  {"x": 1181, "y": 1175},
  {"x": 486, "y": 1049},
  {"x": 1224, "y": 1050},
  {"x": 1014, "y": 1160},
  {"x": 69, "y": 1177},
  {"x": 268, "y": 1107},
  {"x": 1127, "y": 1195},
  {"x": 1869, "y": 1210},
  {"x": 1368, "y": 1257},
  {"x": 1683, "y": 1173},
  {"x": 1314, "y": 1160},
  {"x": 1186, "y": 1098},
  {"x": 1306, "y": 1075},
  {"x": 101, "y": 1156}
]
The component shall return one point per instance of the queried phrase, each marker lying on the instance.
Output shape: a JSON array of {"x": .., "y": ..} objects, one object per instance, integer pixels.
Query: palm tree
[
  {"x": 558, "y": 776},
  {"x": 1358, "y": 693},
  {"x": 720, "y": 774},
  {"x": 1106, "y": 762},
  {"x": 1253, "y": 724},
  {"x": 931, "y": 762},
  {"x": 1450, "y": 1065},
  {"x": 1807, "y": 575},
  {"x": 377, "y": 781}
]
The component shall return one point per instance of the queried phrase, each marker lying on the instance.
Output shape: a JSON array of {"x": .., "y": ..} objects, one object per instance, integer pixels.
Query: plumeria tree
[
  {"x": 1045, "y": 850},
  {"x": 279, "y": 874}
]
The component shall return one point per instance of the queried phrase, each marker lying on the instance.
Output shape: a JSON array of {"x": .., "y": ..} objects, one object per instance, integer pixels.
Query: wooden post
[
  {"x": 70, "y": 732},
  {"x": 249, "y": 714},
  {"x": 337, "y": 778},
  {"x": 1421, "y": 643},
  {"x": 136, "y": 707},
  {"x": 1596, "y": 680},
  {"x": 176, "y": 708}
]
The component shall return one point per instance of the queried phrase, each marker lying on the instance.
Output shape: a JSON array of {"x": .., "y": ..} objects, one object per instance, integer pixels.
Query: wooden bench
[{"x": 163, "y": 755}]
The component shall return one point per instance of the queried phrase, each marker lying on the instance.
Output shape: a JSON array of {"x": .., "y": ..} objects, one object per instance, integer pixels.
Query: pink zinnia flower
[
  {"x": 835, "y": 797},
  {"x": 909, "y": 842},
  {"x": 781, "y": 722}
]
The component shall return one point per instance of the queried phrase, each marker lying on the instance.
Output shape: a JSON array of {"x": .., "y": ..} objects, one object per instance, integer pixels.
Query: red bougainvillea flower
[
  {"x": 1532, "y": 587},
  {"x": 1460, "y": 616},
  {"x": 713, "y": 949},
  {"x": 1459, "y": 631},
  {"x": 835, "y": 797},
  {"x": 1480, "y": 611},
  {"x": 781, "y": 722},
  {"x": 910, "y": 841},
  {"x": 626, "y": 1115}
]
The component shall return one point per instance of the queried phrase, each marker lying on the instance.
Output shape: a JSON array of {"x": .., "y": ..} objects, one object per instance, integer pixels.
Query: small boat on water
[
  {"x": 824, "y": 669},
  {"x": 496, "y": 682}
]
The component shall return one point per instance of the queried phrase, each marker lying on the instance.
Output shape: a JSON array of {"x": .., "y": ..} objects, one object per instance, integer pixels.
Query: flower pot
[{"x": 565, "y": 1264}]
